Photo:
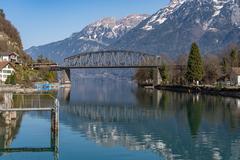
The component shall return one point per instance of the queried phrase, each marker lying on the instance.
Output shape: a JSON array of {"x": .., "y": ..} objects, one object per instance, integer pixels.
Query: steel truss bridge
[
  {"x": 106, "y": 59},
  {"x": 112, "y": 59}
]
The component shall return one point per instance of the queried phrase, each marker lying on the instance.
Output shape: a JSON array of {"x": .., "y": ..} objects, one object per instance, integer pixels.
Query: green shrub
[{"x": 11, "y": 79}]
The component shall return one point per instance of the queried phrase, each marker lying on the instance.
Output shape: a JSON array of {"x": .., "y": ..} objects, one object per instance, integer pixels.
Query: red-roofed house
[
  {"x": 9, "y": 56},
  {"x": 6, "y": 69}
]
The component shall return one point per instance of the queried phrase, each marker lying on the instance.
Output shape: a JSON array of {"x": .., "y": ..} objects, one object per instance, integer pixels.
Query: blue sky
[{"x": 43, "y": 21}]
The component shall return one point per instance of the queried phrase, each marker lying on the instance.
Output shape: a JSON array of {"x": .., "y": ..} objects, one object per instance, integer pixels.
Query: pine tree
[
  {"x": 224, "y": 65},
  {"x": 2, "y": 13},
  {"x": 194, "y": 65},
  {"x": 233, "y": 58}
]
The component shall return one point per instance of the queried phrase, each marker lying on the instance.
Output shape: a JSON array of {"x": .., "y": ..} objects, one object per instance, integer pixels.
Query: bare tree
[{"x": 212, "y": 68}]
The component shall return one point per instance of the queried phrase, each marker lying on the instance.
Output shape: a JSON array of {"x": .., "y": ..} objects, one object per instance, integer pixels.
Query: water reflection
[
  {"x": 172, "y": 125},
  {"x": 115, "y": 113},
  {"x": 10, "y": 121}
]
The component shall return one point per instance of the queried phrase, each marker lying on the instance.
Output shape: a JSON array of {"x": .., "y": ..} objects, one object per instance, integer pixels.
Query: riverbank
[
  {"x": 16, "y": 89},
  {"x": 22, "y": 89},
  {"x": 211, "y": 90}
]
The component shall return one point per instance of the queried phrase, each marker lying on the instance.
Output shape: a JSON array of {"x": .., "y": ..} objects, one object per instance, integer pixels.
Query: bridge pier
[
  {"x": 157, "y": 79},
  {"x": 66, "y": 77}
]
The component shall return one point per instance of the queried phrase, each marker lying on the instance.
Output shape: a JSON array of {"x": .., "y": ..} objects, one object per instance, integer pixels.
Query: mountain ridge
[
  {"x": 213, "y": 24},
  {"x": 93, "y": 37}
]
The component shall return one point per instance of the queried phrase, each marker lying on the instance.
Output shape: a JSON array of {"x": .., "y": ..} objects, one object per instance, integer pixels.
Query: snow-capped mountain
[
  {"x": 213, "y": 24},
  {"x": 93, "y": 37},
  {"x": 162, "y": 15}
]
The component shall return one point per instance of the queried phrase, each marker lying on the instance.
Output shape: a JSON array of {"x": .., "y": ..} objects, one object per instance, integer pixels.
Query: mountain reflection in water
[{"x": 169, "y": 125}]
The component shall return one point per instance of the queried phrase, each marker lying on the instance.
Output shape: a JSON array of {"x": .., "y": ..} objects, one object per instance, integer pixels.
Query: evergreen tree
[
  {"x": 2, "y": 13},
  {"x": 194, "y": 65},
  {"x": 234, "y": 58},
  {"x": 8, "y": 80},
  {"x": 224, "y": 65},
  {"x": 11, "y": 79}
]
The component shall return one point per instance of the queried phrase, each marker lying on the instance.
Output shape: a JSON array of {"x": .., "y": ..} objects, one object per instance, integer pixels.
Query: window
[{"x": 7, "y": 71}]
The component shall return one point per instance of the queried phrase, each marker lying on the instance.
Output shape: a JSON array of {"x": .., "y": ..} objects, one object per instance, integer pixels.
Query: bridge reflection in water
[
  {"x": 166, "y": 123},
  {"x": 12, "y": 108},
  {"x": 171, "y": 125}
]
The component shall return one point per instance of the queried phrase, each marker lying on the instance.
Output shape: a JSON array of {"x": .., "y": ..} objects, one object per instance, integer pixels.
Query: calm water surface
[{"x": 114, "y": 120}]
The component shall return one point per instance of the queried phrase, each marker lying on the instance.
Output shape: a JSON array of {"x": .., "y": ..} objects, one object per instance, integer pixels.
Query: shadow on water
[{"x": 168, "y": 124}]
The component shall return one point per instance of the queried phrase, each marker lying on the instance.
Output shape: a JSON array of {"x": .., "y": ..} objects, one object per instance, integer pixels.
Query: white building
[
  {"x": 9, "y": 56},
  {"x": 7, "y": 61},
  {"x": 6, "y": 69},
  {"x": 235, "y": 76}
]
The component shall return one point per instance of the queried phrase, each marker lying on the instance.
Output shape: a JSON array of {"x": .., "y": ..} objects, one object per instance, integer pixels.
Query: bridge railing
[{"x": 112, "y": 59}]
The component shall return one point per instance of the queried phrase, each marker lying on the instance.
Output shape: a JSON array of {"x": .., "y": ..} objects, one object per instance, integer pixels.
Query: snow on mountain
[
  {"x": 108, "y": 30},
  {"x": 93, "y": 37},
  {"x": 213, "y": 24},
  {"x": 162, "y": 15}
]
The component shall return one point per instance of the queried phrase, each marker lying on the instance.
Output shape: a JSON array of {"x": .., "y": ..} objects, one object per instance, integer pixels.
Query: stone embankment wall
[{"x": 228, "y": 92}]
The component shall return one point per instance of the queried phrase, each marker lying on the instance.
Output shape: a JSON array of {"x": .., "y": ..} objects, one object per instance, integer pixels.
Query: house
[
  {"x": 14, "y": 57},
  {"x": 235, "y": 76},
  {"x": 9, "y": 56},
  {"x": 6, "y": 69}
]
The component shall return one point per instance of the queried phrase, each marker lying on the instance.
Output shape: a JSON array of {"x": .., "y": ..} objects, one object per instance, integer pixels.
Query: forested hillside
[
  {"x": 10, "y": 41},
  {"x": 9, "y": 38}
]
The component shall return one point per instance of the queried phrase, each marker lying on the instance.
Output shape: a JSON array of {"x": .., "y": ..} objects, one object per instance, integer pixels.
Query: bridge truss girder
[{"x": 112, "y": 59}]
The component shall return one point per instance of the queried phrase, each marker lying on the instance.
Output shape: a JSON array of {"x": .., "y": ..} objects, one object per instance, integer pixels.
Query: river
[{"x": 104, "y": 119}]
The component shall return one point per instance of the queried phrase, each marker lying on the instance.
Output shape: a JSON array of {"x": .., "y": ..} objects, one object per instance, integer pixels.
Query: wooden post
[{"x": 55, "y": 127}]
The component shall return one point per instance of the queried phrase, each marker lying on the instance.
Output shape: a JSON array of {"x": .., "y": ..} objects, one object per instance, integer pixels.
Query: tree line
[{"x": 194, "y": 68}]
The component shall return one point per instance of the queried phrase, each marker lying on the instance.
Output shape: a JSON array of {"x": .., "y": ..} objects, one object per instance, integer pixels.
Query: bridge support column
[
  {"x": 66, "y": 76},
  {"x": 157, "y": 79}
]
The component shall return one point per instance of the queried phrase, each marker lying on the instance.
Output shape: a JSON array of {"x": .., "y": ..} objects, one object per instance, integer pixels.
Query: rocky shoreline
[{"x": 226, "y": 92}]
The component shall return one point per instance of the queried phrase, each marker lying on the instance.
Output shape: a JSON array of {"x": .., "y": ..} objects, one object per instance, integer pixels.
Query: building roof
[
  {"x": 4, "y": 64},
  {"x": 14, "y": 53},
  {"x": 7, "y": 53},
  {"x": 236, "y": 70}
]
